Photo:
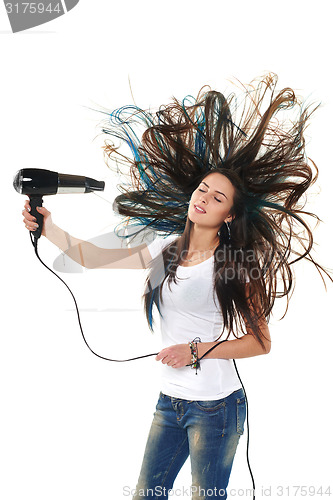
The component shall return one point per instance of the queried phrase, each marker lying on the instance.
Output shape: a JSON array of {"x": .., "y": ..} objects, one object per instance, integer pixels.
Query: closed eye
[{"x": 214, "y": 196}]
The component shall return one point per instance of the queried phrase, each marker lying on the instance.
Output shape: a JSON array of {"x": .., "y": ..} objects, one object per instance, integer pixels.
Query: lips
[{"x": 202, "y": 211}]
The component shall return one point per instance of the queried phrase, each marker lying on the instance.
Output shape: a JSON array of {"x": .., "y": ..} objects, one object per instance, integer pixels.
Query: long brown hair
[{"x": 265, "y": 161}]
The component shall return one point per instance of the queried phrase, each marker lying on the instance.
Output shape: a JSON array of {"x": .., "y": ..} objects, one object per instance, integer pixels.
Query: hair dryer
[{"x": 36, "y": 183}]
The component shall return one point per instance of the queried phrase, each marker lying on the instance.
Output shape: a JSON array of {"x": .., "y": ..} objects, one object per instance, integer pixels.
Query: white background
[{"x": 73, "y": 426}]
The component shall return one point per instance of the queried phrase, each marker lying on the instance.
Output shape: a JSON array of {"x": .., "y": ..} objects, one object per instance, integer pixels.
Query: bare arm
[
  {"x": 87, "y": 254},
  {"x": 244, "y": 347},
  {"x": 93, "y": 257}
]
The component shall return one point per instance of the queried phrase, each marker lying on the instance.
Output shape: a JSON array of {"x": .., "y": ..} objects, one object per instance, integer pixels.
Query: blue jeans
[{"x": 207, "y": 431}]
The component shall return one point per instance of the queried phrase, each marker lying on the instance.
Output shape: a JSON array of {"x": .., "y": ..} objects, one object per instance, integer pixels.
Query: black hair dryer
[{"x": 37, "y": 182}]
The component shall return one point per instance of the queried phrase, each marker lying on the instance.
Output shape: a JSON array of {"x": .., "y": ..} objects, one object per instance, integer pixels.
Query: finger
[
  {"x": 32, "y": 229},
  {"x": 32, "y": 226},
  {"x": 27, "y": 205},
  {"x": 28, "y": 216},
  {"x": 43, "y": 211},
  {"x": 161, "y": 355}
]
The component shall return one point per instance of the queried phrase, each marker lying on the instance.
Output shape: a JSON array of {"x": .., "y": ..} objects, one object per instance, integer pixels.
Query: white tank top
[{"x": 189, "y": 311}]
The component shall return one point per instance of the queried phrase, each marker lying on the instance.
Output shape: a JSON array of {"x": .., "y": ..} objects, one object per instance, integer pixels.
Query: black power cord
[{"x": 35, "y": 244}]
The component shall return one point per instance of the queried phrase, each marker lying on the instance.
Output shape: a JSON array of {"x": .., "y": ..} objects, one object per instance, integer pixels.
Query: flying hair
[{"x": 259, "y": 145}]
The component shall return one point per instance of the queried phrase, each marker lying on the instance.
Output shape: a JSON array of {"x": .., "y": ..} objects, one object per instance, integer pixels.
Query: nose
[{"x": 203, "y": 198}]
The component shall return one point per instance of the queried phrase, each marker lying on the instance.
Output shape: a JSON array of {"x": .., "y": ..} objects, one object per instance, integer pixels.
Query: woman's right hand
[{"x": 30, "y": 221}]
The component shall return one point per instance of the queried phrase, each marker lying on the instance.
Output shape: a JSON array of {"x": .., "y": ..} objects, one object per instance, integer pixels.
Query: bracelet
[{"x": 195, "y": 363}]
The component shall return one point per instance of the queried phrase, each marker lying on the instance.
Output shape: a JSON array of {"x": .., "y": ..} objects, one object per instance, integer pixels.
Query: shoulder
[{"x": 159, "y": 243}]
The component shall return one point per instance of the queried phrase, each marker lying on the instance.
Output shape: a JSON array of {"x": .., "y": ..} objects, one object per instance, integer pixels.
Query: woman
[{"x": 227, "y": 193}]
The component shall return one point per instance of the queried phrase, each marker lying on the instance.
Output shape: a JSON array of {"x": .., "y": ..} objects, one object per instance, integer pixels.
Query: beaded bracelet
[{"x": 195, "y": 363}]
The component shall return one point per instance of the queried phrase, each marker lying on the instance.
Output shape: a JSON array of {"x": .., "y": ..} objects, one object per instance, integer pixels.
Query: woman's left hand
[{"x": 176, "y": 356}]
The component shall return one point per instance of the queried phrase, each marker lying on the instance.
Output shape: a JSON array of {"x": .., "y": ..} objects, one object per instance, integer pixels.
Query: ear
[{"x": 230, "y": 218}]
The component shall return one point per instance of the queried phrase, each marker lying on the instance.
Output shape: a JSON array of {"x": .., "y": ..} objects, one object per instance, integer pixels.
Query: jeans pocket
[
  {"x": 241, "y": 414},
  {"x": 210, "y": 405}
]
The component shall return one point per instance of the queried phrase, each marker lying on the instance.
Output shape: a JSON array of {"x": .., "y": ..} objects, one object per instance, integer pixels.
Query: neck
[{"x": 203, "y": 240}]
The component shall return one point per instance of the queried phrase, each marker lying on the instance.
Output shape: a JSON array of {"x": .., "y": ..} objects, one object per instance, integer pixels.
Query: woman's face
[{"x": 215, "y": 195}]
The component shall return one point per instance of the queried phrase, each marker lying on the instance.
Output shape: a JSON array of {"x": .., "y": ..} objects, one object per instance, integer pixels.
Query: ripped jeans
[{"x": 207, "y": 431}]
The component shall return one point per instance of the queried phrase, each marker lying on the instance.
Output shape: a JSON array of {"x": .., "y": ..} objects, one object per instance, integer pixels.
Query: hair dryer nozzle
[{"x": 92, "y": 185}]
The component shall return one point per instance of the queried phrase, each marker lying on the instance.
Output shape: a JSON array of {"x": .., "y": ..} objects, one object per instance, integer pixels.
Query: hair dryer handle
[{"x": 36, "y": 201}]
